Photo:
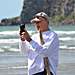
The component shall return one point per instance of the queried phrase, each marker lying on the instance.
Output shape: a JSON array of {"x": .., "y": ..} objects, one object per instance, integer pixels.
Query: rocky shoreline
[{"x": 51, "y": 24}]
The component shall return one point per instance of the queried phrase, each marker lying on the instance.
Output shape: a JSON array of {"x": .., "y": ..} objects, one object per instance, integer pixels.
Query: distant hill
[{"x": 61, "y": 12}]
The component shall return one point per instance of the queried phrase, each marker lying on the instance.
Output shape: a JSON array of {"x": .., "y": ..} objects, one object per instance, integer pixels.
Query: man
[{"x": 35, "y": 51}]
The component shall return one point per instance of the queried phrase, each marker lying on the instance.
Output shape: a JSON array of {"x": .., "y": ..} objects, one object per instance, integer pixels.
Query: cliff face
[
  {"x": 54, "y": 9},
  {"x": 31, "y": 7}
]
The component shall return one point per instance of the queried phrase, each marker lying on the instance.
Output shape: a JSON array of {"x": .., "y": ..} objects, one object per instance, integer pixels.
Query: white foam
[
  {"x": 9, "y": 48},
  {"x": 1, "y": 50},
  {"x": 65, "y": 47},
  {"x": 5, "y": 47},
  {"x": 14, "y": 49},
  {"x": 17, "y": 40},
  {"x": 67, "y": 39},
  {"x": 9, "y": 40},
  {"x": 9, "y": 33},
  {"x": 31, "y": 32},
  {"x": 14, "y": 32},
  {"x": 65, "y": 32}
]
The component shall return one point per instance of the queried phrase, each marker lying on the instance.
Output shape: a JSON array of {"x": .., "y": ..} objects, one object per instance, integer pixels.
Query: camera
[{"x": 22, "y": 26}]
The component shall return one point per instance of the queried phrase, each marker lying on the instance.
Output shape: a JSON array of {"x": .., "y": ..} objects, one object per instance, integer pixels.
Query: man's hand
[
  {"x": 25, "y": 36},
  {"x": 21, "y": 36}
]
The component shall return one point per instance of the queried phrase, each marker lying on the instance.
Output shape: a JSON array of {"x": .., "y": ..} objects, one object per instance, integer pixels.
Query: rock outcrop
[
  {"x": 54, "y": 9},
  {"x": 9, "y": 22}
]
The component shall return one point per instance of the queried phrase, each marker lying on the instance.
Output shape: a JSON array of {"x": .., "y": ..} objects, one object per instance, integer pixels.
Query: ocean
[{"x": 13, "y": 63}]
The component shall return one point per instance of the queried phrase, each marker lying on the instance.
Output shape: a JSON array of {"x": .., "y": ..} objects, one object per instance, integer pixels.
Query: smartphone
[{"x": 22, "y": 26}]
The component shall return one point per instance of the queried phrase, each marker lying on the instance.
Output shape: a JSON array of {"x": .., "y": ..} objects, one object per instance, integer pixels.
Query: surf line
[
  {"x": 16, "y": 67},
  {"x": 66, "y": 65},
  {"x": 19, "y": 67}
]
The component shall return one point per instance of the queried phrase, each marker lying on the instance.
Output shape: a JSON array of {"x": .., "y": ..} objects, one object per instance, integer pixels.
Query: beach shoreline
[{"x": 13, "y": 63}]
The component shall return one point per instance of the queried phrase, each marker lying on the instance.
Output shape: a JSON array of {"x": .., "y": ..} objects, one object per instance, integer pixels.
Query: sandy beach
[{"x": 12, "y": 63}]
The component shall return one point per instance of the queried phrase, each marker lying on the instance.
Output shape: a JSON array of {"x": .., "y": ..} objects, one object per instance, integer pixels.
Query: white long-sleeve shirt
[{"x": 36, "y": 52}]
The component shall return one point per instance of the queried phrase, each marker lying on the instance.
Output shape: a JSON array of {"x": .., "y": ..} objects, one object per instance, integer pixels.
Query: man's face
[{"x": 42, "y": 25}]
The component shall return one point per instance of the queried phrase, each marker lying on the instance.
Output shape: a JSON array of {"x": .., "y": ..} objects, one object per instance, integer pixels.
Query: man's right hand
[
  {"x": 25, "y": 36},
  {"x": 22, "y": 36}
]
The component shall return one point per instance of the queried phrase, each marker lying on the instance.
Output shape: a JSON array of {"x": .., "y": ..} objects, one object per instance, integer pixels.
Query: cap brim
[{"x": 35, "y": 20}]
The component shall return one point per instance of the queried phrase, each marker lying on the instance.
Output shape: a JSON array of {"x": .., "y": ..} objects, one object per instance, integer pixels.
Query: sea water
[
  {"x": 10, "y": 57},
  {"x": 9, "y": 37}
]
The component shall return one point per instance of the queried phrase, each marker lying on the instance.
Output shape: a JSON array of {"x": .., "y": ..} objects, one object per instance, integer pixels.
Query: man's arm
[
  {"x": 51, "y": 46},
  {"x": 24, "y": 45}
]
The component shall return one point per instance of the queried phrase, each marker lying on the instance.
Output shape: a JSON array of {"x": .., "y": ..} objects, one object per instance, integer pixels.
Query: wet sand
[{"x": 13, "y": 63}]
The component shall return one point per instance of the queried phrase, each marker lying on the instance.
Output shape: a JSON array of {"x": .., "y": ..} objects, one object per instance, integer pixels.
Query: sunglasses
[{"x": 40, "y": 17}]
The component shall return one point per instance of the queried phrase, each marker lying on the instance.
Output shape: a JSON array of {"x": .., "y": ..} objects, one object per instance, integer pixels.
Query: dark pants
[{"x": 42, "y": 73}]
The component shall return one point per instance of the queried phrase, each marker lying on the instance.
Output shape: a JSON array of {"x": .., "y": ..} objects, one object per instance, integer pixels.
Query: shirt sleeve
[
  {"x": 24, "y": 47},
  {"x": 52, "y": 45}
]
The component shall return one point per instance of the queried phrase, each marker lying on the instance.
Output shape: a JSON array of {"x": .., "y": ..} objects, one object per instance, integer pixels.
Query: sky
[{"x": 10, "y": 8}]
